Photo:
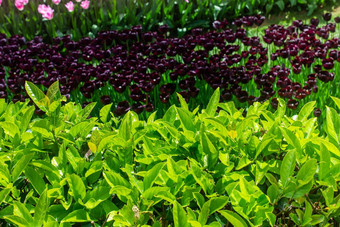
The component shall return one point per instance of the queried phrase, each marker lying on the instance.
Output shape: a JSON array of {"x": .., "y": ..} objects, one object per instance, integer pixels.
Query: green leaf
[
  {"x": 10, "y": 128},
  {"x": 152, "y": 175},
  {"x": 209, "y": 148},
  {"x": 26, "y": 119},
  {"x": 292, "y": 139},
  {"x": 3, "y": 194},
  {"x": 41, "y": 209},
  {"x": 77, "y": 216},
  {"x": 77, "y": 187},
  {"x": 336, "y": 100},
  {"x": 186, "y": 120},
  {"x": 233, "y": 218},
  {"x": 17, "y": 220},
  {"x": 218, "y": 203},
  {"x": 306, "y": 172},
  {"x": 199, "y": 199},
  {"x": 20, "y": 210},
  {"x": 125, "y": 127},
  {"x": 105, "y": 113},
  {"x": 114, "y": 179},
  {"x": 287, "y": 167},
  {"x": 307, "y": 216},
  {"x": 37, "y": 96},
  {"x": 330, "y": 122},
  {"x": 53, "y": 91},
  {"x": 183, "y": 102},
  {"x": 213, "y": 102},
  {"x": 20, "y": 166},
  {"x": 180, "y": 217},
  {"x": 306, "y": 110},
  {"x": 87, "y": 110},
  {"x": 281, "y": 4},
  {"x": 35, "y": 179},
  {"x": 204, "y": 214},
  {"x": 325, "y": 160}
]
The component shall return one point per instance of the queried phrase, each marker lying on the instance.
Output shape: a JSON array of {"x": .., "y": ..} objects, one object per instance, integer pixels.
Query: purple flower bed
[{"x": 142, "y": 70}]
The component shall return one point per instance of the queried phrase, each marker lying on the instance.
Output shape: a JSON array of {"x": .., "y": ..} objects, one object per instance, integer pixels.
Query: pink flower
[
  {"x": 78, "y": 0},
  {"x": 19, "y": 4},
  {"x": 46, "y": 11},
  {"x": 187, "y": 1},
  {"x": 85, "y": 4},
  {"x": 0, "y": 2},
  {"x": 70, "y": 6},
  {"x": 56, "y": 2}
]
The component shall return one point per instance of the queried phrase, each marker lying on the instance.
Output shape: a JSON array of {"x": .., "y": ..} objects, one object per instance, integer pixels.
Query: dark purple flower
[
  {"x": 327, "y": 16},
  {"x": 317, "y": 112}
]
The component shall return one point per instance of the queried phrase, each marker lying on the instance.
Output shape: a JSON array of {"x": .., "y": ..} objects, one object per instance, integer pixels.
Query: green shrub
[{"x": 185, "y": 169}]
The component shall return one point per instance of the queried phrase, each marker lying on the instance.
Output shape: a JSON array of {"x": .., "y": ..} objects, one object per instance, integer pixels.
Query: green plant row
[
  {"x": 107, "y": 15},
  {"x": 215, "y": 167}
]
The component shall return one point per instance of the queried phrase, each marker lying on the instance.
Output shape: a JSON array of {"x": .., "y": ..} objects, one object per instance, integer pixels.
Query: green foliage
[
  {"x": 105, "y": 15},
  {"x": 185, "y": 169}
]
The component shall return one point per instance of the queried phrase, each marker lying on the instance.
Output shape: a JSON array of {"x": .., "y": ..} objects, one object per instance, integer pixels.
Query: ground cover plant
[
  {"x": 143, "y": 70},
  {"x": 211, "y": 167},
  {"x": 85, "y": 18}
]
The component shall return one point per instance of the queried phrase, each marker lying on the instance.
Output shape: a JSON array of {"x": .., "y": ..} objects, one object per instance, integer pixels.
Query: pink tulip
[
  {"x": 56, "y": 2},
  {"x": 0, "y": 2},
  {"x": 187, "y": 1},
  {"x": 85, "y": 4},
  {"x": 70, "y": 6},
  {"x": 46, "y": 11}
]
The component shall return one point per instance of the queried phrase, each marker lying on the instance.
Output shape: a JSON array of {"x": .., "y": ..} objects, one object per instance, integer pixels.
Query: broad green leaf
[
  {"x": 281, "y": 4},
  {"x": 287, "y": 167},
  {"x": 77, "y": 187},
  {"x": 330, "y": 146},
  {"x": 37, "y": 96},
  {"x": 328, "y": 194},
  {"x": 87, "y": 110},
  {"x": 306, "y": 172},
  {"x": 41, "y": 209},
  {"x": 212, "y": 105},
  {"x": 204, "y": 213},
  {"x": 126, "y": 127},
  {"x": 218, "y": 203},
  {"x": 183, "y": 102},
  {"x": 209, "y": 149},
  {"x": 10, "y": 128},
  {"x": 325, "y": 160},
  {"x": 292, "y": 140},
  {"x": 199, "y": 199},
  {"x": 3, "y": 194},
  {"x": 330, "y": 122},
  {"x": 114, "y": 179},
  {"x": 180, "y": 217},
  {"x": 186, "y": 120},
  {"x": 26, "y": 119},
  {"x": 336, "y": 100},
  {"x": 53, "y": 91},
  {"x": 96, "y": 196},
  {"x": 77, "y": 216},
  {"x": 307, "y": 216},
  {"x": 20, "y": 166},
  {"x": 233, "y": 218},
  {"x": 21, "y": 222},
  {"x": 35, "y": 179},
  {"x": 105, "y": 113},
  {"x": 306, "y": 110},
  {"x": 21, "y": 210},
  {"x": 152, "y": 175}
]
